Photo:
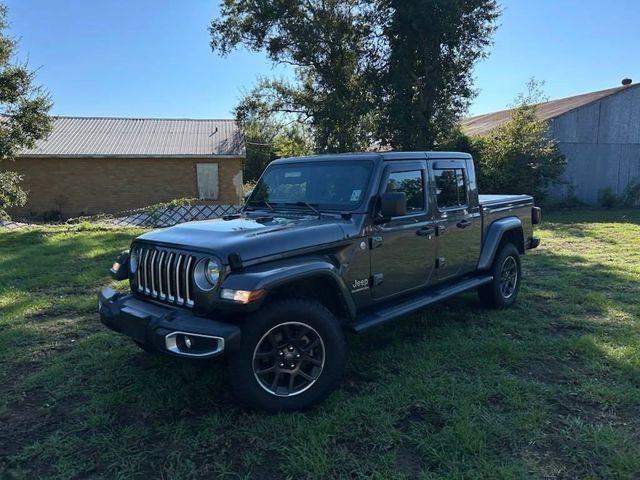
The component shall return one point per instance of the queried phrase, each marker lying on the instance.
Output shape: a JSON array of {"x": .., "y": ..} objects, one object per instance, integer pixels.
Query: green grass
[{"x": 547, "y": 389}]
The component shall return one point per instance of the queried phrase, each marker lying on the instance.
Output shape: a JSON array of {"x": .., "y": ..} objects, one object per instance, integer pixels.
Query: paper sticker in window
[
  {"x": 292, "y": 174},
  {"x": 355, "y": 195}
]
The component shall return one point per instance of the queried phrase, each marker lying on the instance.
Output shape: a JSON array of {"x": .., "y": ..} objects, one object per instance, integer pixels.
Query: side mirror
[{"x": 393, "y": 204}]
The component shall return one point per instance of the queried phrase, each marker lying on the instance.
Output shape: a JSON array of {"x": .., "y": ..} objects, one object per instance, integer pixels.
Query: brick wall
[{"x": 109, "y": 185}]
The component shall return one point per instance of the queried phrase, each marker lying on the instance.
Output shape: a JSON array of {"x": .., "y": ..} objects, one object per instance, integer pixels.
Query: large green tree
[
  {"x": 367, "y": 72},
  {"x": 23, "y": 116},
  {"x": 327, "y": 41},
  {"x": 427, "y": 82}
]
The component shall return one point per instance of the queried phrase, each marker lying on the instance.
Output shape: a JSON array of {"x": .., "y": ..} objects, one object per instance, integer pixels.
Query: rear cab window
[{"x": 451, "y": 187}]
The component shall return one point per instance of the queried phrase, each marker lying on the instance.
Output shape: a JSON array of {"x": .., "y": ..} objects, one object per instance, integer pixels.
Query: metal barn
[{"x": 598, "y": 132}]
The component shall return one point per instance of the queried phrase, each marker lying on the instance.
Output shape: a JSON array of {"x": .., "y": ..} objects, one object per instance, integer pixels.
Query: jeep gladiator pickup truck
[{"x": 323, "y": 244}]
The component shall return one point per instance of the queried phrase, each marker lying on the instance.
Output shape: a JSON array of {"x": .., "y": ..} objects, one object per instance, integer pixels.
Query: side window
[
  {"x": 411, "y": 184},
  {"x": 451, "y": 189}
]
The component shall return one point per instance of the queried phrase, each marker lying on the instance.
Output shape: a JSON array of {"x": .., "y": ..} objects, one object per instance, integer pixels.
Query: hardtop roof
[{"x": 376, "y": 156}]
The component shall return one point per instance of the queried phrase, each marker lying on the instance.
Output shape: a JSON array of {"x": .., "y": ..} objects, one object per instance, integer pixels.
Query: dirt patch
[
  {"x": 409, "y": 460},
  {"x": 356, "y": 383},
  {"x": 566, "y": 328},
  {"x": 553, "y": 371},
  {"x": 419, "y": 414},
  {"x": 30, "y": 419}
]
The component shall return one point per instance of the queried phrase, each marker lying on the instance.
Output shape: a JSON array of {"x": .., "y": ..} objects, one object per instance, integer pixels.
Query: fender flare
[
  {"x": 495, "y": 233},
  {"x": 272, "y": 275}
]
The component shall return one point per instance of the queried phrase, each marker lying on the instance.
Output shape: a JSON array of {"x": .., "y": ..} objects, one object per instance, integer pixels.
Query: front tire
[
  {"x": 291, "y": 356},
  {"x": 503, "y": 290}
]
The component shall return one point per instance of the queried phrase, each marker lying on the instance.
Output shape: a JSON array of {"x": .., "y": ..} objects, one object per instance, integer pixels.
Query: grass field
[{"x": 547, "y": 389}]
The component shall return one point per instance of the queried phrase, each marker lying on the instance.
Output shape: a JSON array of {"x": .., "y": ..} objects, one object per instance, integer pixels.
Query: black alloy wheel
[
  {"x": 508, "y": 277},
  {"x": 291, "y": 356},
  {"x": 288, "y": 359},
  {"x": 503, "y": 290}
]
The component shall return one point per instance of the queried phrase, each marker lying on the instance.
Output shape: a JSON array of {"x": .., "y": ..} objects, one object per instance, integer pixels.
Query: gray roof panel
[
  {"x": 122, "y": 137},
  {"x": 483, "y": 124}
]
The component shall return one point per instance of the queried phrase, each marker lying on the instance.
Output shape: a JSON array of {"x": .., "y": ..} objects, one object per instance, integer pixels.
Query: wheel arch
[
  {"x": 314, "y": 278},
  {"x": 505, "y": 230}
]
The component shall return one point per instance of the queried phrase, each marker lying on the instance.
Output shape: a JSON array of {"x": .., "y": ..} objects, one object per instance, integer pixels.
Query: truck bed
[
  {"x": 493, "y": 201},
  {"x": 495, "y": 207}
]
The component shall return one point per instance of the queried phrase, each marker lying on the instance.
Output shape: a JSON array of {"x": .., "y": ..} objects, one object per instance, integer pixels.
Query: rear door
[
  {"x": 459, "y": 225},
  {"x": 403, "y": 249}
]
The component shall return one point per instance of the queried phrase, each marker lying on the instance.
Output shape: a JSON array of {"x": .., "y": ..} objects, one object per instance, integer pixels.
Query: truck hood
[{"x": 253, "y": 236}]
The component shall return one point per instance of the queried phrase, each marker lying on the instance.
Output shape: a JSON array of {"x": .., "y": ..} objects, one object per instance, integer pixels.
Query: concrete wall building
[
  {"x": 108, "y": 165},
  {"x": 598, "y": 132}
]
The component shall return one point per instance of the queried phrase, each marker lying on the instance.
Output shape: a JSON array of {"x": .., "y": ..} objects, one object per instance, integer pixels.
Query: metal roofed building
[
  {"x": 91, "y": 165},
  {"x": 598, "y": 132}
]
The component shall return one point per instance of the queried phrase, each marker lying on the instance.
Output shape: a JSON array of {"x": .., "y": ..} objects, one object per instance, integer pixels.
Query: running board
[{"x": 415, "y": 302}]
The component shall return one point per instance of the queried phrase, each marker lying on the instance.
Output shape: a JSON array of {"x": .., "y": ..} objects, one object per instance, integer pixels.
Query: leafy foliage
[
  {"x": 23, "y": 113},
  {"x": 367, "y": 72},
  {"x": 326, "y": 42},
  {"x": 267, "y": 139},
  {"x": 607, "y": 198},
  {"x": 259, "y": 136},
  {"x": 10, "y": 192},
  {"x": 293, "y": 141},
  {"x": 519, "y": 156},
  {"x": 630, "y": 196},
  {"x": 427, "y": 81}
]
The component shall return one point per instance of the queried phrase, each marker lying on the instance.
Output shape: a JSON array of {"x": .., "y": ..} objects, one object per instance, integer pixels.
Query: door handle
[
  {"x": 463, "y": 224},
  {"x": 426, "y": 231}
]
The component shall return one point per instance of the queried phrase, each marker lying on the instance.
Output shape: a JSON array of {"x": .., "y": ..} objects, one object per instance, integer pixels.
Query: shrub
[
  {"x": 517, "y": 156},
  {"x": 631, "y": 195},
  {"x": 606, "y": 198},
  {"x": 175, "y": 203},
  {"x": 11, "y": 195}
]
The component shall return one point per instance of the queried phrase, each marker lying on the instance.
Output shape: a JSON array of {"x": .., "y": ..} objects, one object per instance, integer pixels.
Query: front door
[
  {"x": 403, "y": 248},
  {"x": 459, "y": 226}
]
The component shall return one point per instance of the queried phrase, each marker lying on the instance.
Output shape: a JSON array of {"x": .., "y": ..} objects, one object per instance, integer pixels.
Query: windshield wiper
[
  {"x": 260, "y": 202},
  {"x": 306, "y": 204}
]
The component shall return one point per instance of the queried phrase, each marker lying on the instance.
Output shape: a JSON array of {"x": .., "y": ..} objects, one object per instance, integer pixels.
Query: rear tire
[
  {"x": 291, "y": 357},
  {"x": 503, "y": 290}
]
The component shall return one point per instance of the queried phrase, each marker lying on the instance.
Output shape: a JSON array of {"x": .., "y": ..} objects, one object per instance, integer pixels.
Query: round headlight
[
  {"x": 133, "y": 261},
  {"x": 207, "y": 273},
  {"x": 212, "y": 271}
]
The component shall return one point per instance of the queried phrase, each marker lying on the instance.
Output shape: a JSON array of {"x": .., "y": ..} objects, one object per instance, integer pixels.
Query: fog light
[
  {"x": 187, "y": 341},
  {"x": 115, "y": 267},
  {"x": 242, "y": 296}
]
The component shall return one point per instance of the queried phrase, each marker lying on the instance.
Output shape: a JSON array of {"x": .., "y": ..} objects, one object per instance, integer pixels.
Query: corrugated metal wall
[{"x": 602, "y": 144}]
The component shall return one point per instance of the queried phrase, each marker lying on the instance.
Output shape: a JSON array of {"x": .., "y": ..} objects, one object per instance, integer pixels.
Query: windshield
[{"x": 325, "y": 185}]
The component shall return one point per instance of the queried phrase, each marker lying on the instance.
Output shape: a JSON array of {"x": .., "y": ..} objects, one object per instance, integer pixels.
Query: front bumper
[{"x": 169, "y": 330}]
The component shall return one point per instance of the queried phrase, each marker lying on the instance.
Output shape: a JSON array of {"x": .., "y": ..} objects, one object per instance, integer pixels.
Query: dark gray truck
[{"x": 323, "y": 244}]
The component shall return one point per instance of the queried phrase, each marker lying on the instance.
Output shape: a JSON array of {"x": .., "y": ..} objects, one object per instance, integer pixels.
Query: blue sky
[{"x": 151, "y": 58}]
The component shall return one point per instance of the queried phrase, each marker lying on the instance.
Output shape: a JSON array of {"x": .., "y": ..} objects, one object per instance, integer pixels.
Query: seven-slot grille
[{"x": 166, "y": 275}]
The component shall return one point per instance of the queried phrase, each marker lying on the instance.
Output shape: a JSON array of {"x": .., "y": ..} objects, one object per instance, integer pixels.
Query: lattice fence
[
  {"x": 166, "y": 217},
  {"x": 151, "y": 217}
]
